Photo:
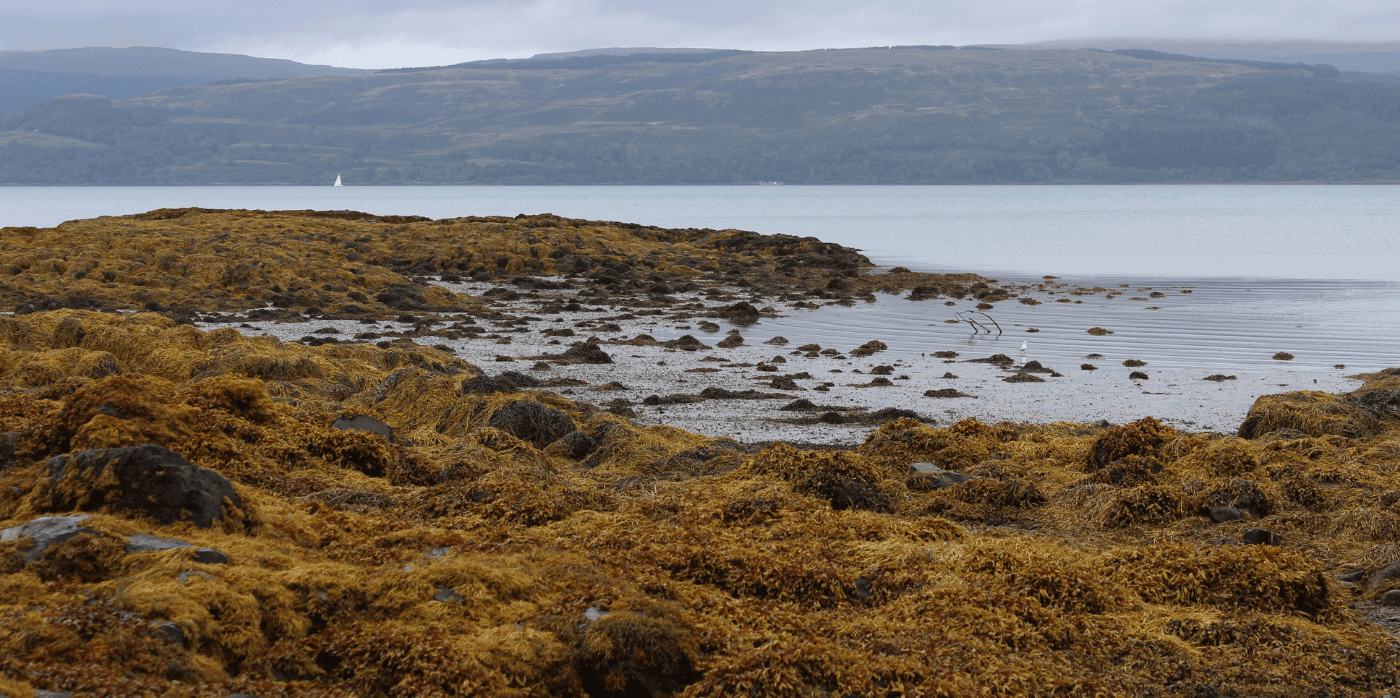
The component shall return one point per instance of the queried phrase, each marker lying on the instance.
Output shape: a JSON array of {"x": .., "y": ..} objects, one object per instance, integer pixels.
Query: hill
[
  {"x": 28, "y": 78},
  {"x": 908, "y": 114},
  {"x": 1379, "y": 57}
]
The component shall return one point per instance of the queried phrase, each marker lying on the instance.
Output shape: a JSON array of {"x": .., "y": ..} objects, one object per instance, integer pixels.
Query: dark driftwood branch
[
  {"x": 977, "y": 325},
  {"x": 994, "y": 322}
]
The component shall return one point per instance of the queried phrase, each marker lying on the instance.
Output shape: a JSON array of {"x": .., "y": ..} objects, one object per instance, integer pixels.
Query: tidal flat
[{"x": 331, "y": 453}]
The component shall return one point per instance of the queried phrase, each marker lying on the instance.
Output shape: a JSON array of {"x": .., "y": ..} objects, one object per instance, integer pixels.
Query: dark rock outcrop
[{"x": 147, "y": 479}]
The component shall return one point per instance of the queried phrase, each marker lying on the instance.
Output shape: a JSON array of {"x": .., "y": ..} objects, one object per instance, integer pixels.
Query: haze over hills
[
  {"x": 30, "y": 77},
  {"x": 907, "y": 114},
  {"x": 1381, "y": 57}
]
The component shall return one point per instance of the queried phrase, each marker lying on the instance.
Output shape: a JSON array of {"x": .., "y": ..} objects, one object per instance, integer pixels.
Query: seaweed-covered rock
[
  {"x": 486, "y": 385},
  {"x": 530, "y": 421},
  {"x": 588, "y": 353},
  {"x": 46, "y": 532},
  {"x": 580, "y": 444},
  {"x": 146, "y": 479},
  {"x": 1312, "y": 412},
  {"x": 147, "y": 543},
  {"x": 1140, "y": 438}
]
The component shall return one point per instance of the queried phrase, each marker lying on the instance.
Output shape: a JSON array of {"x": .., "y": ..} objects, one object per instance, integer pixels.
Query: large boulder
[{"x": 146, "y": 479}]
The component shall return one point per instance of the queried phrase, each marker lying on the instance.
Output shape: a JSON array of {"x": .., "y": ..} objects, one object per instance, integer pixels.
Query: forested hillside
[{"x": 907, "y": 114}]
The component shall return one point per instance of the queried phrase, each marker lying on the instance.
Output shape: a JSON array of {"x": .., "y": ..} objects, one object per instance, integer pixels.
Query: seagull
[{"x": 1023, "y": 347}]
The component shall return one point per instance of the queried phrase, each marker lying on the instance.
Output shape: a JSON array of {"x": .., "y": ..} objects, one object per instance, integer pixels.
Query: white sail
[{"x": 337, "y": 181}]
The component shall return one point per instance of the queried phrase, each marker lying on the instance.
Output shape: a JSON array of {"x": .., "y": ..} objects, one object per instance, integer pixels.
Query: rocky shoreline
[{"x": 311, "y": 453}]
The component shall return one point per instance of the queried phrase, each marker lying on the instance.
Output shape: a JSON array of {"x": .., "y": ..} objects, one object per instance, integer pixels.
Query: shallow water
[{"x": 1224, "y": 327}]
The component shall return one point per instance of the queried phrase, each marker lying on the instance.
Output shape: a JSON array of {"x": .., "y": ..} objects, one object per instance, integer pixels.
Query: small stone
[
  {"x": 210, "y": 556},
  {"x": 937, "y": 481},
  {"x": 446, "y": 595},
  {"x": 1261, "y": 536},
  {"x": 172, "y": 632},
  {"x": 924, "y": 469},
  {"x": 146, "y": 543},
  {"x": 1223, "y": 514}
]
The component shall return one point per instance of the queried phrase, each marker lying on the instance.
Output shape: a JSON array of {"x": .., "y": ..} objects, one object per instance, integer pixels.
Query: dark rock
[
  {"x": 1137, "y": 375},
  {"x": 365, "y": 423},
  {"x": 1353, "y": 576},
  {"x": 924, "y": 469},
  {"x": 587, "y": 353},
  {"x": 784, "y": 383},
  {"x": 1219, "y": 377},
  {"x": 1390, "y": 598},
  {"x": 1034, "y": 366},
  {"x": 1221, "y": 514},
  {"x": 581, "y": 445},
  {"x": 172, "y": 633},
  {"x": 1088, "y": 367},
  {"x": 210, "y": 556},
  {"x": 148, "y": 479},
  {"x": 46, "y": 532},
  {"x": 779, "y": 340},
  {"x": 1260, "y": 536},
  {"x": 1134, "y": 363},
  {"x": 730, "y": 342},
  {"x": 530, "y": 421},
  {"x": 1383, "y": 575},
  {"x": 799, "y": 405}
]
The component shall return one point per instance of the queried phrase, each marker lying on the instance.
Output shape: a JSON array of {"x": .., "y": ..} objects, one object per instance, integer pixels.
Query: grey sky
[{"x": 378, "y": 34}]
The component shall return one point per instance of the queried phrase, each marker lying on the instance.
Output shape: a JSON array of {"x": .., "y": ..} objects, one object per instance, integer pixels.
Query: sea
[{"x": 1248, "y": 271}]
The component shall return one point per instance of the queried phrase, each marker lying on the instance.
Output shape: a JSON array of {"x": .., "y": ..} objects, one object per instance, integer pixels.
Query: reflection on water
[{"x": 1223, "y": 325}]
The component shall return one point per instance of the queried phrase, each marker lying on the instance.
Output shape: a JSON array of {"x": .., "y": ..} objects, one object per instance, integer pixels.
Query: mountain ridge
[{"x": 919, "y": 114}]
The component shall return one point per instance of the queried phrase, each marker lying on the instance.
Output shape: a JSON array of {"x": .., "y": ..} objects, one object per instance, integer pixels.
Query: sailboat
[{"x": 337, "y": 181}]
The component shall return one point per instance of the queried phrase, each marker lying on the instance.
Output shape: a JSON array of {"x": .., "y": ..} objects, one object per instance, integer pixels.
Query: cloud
[{"x": 377, "y": 33}]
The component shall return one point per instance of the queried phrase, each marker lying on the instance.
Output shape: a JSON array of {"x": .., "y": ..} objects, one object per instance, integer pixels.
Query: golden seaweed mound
[{"x": 500, "y": 542}]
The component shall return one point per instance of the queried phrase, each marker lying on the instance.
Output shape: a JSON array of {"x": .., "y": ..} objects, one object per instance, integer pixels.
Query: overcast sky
[{"x": 381, "y": 34}]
